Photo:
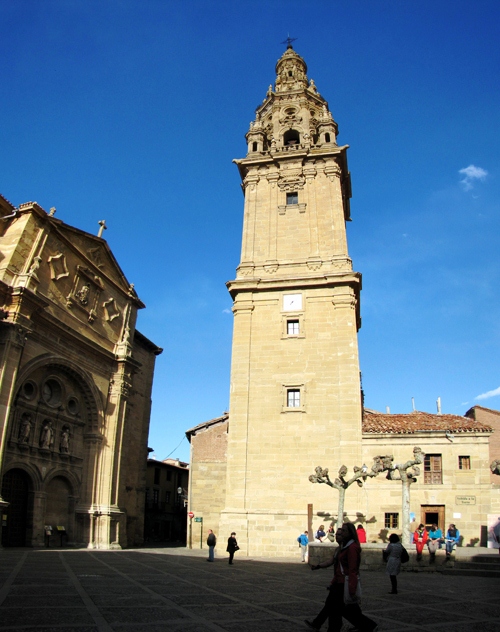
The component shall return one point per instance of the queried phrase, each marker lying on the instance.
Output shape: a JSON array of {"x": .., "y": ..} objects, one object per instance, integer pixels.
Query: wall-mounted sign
[{"x": 465, "y": 500}]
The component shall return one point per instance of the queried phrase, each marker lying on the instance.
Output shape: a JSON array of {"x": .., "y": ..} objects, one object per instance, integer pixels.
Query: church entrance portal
[
  {"x": 57, "y": 511},
  {"x": 16, "y": 491}
]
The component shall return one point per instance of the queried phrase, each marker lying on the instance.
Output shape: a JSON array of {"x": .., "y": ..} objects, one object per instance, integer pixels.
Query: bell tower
[{"x": 295, "y": 386}]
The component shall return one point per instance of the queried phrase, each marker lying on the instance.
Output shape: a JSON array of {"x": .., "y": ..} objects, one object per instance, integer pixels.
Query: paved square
[{"x": 176, "y": 590}]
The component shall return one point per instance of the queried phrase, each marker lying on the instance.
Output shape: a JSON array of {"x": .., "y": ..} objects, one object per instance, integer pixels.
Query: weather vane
[{"x": 289, "y": 41}]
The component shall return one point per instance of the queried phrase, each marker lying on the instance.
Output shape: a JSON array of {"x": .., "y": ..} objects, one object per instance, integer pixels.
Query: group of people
[
  {"x": 434, "y": 540},
  {"x": 344, "y": 592},
  {"x": 232, "y": 546}
]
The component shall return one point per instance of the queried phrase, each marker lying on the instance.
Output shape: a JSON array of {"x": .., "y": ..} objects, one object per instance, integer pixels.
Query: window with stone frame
[
  {"x": 464, "y": 463},
  {"x": 292, "y": 198},
  {"x": 391, "y": 520},
  {"x": 433, "y": 469}
]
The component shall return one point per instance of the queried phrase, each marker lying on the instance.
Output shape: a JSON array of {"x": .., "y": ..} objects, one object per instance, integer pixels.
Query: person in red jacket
[
  {"x": 420, "y": 537},
  {"x": 361, "y": 534},
  {"x": 343, "y": 600}
]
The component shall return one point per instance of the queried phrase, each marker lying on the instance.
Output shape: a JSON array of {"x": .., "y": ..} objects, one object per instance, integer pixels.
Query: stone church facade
[
  {"x": 295, "y": 392},
  {"x": 75, "y": 391}
]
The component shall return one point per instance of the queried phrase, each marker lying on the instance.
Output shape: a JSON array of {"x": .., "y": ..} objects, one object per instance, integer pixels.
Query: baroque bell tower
[{"x": 295, "y": 387}]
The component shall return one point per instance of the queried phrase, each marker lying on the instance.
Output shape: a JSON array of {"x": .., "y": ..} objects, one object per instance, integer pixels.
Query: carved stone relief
[
  {"x": 95, "y": 255},
  {"x": 85, "y": 293},
  {"x": 58, "y": 268},
  {"x": 111, "y": 309}
]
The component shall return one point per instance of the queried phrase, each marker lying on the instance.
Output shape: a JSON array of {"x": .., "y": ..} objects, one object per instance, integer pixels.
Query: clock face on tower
[{"x": 292, "y": 302}]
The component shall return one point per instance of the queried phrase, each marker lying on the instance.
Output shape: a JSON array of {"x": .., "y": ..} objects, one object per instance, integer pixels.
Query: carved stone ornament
[
  {"x": 95, "y": 255},
  {"x": 271, "y": 267},
  {"x": 246, "y": 270},
  {"x": 342, "y": 264},
  {"x": 332, "y": 172},
  {"x": 314, "y": 264},
  {"x": 85, "y": 292},
  {"x": 58, "y": 268},
  {"x": 292, "y": 182},
  {"x": 111, "y": 309}
]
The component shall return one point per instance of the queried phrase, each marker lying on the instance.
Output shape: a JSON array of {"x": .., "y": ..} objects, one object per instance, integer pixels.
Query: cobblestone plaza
[{"x": 176, "y": 590}]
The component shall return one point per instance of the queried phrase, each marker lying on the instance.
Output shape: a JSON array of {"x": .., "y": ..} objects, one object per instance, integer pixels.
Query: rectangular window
[
  {"x": 293, "y": 398},
  {"x": 169, "y": 475},
  {"x": 391, "y": 521},
  {"x": 156, "y": 496},
  {"x": 157, "y": 475},
  {"x": 292, "y": 327},
  {"x": 292, "y": 198},
  {"x": 167, "y": 498},
  {"x": 433, "y": 469},
  {"x": 464, "y": 462}
]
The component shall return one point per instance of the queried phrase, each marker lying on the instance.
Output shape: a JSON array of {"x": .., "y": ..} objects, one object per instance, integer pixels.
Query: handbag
[
  {"x": 236, "y": 548},
  {"x": 351, "y": 600},
  {"x": 404, "y": 556}
]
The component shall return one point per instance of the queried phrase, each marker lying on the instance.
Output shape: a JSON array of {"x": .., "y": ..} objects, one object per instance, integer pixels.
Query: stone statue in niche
[
  {"x": 46, "y": 435},
  {"x": 25, "y": 428},
  {"x": 64, "y": 443}
]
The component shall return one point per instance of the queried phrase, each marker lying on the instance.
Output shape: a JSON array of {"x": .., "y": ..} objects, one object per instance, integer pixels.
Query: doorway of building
[
  {"x": 57, "y": 510},
  {"x": 432, "y": 514},
  {"x": 16, "y": 491}
]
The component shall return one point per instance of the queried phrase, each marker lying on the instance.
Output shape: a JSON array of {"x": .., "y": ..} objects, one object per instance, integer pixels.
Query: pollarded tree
[
  {"x": 341, "y": 484},
  {"x": 406, "y": 473}
]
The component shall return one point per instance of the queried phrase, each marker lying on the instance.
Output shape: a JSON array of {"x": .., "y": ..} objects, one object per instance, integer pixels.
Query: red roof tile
[{"x": 410, "y": 423}]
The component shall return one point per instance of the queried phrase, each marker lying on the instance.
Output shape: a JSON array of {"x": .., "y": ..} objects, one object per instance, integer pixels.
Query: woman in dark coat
[
  {"x": 232, "y": 546},
  {"x": 346, "y": 561}
]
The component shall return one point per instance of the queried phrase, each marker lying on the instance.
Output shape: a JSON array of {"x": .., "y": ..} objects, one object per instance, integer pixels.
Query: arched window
[
  {"x": 327, "y": 137},
  {"x": 254, "y": 146},
  {"x": 291, "y": 137}
]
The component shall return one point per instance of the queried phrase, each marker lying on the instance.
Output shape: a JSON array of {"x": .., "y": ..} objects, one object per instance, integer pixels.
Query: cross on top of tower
[{"x": 289, "y": 41}]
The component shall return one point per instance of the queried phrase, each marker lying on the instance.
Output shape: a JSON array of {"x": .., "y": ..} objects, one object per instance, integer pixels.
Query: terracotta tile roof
[{"x": 417, "y": 421}]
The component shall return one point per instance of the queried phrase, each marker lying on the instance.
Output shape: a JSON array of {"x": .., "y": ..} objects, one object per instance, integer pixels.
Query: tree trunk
[
  {"x": 406, "y": 509},
  {"x": 340, "y": 516}
]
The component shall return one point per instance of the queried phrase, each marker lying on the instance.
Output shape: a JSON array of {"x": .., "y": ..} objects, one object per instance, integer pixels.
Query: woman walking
[
  {"x": 392, "y": 555},
  {"x": 232, "y": 546},
  {"x": 343, "y": 598}
]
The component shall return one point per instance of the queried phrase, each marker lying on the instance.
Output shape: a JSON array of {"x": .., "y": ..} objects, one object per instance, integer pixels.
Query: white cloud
[
  {"x": 226, "y": 311},
  {"x": 470, "y": 174},
  {"x": 488, "y": 394}
]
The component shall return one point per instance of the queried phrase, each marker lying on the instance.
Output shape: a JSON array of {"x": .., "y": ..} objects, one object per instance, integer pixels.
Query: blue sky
[{"x": 132, "y": 111}]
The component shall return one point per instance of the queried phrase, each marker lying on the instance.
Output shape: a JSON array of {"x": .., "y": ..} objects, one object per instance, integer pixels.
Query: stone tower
[{"x": 295, "y": 386}]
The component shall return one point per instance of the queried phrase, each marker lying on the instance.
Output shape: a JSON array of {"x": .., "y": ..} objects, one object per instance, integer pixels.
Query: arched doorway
[
  {"x": 16, "y": 485},
  {"x": 58, "y": 512}
]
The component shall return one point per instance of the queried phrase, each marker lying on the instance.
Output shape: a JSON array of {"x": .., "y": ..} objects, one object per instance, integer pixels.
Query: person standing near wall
[
  {"x": 211, "y": 542},
  {"x": 392, "y": 555},
  {"x": 232, "y": 546},
  {"x": 303, "y": 541}
]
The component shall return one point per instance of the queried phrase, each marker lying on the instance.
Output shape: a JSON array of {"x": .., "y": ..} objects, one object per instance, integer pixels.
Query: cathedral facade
[
  {"x": 76, "y": 378},
  {"x": 295, "y": 391}
]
